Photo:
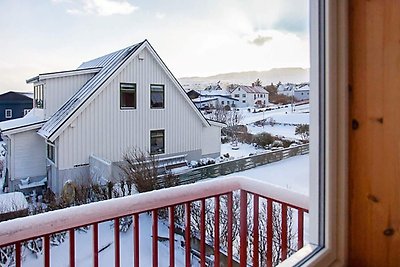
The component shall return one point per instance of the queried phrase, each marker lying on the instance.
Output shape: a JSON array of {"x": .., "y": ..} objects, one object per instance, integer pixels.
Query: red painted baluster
[
  {"x": 255, "y": 231},
  {"x": 18, "y": 254},
  {"x": 172, "y": 236},
  {"x": 216, "y": 232},
  {"x": 187, "y": 235},
  {"x": 269, "y": 232},
  {"x": 116, "y": 243},
  {"x": 300, "y": 227},
  {"x": 284, "y": 232},
  {"x": 96, "y": 245},
  {"x": 46, "y": 246},
  {"x": 72, "y": 247},
  {"x": 230, "y": 232},
  {"x": 243, "y": 228},
  {"x": 155, "y": 237},
  {"x": 203, "y": 233},
  {"x": 136, "y": 239}
]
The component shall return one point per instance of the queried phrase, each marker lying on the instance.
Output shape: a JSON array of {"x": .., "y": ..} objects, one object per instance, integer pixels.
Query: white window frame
[
  {"x": 8, "y": 113},
  {"x": 330, "y": 207}
]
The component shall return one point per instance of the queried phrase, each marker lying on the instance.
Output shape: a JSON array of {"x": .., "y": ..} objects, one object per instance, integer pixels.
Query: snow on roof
[
  {"x": 12, "y": 202},
  {"x": 35, "y": 118},
  {"x": 213, "y": 92},
  {"x": 109, "y": 64},
  {"x": 252, "y": 89}
]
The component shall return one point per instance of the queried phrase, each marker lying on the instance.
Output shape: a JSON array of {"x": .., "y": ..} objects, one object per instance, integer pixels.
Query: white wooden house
[
  {"x": 250, "y": 96},
  {"x": 125, "y": 99}
]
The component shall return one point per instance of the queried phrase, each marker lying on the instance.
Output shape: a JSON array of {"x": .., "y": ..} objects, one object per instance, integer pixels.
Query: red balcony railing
[{"x": 253, "y": 224}]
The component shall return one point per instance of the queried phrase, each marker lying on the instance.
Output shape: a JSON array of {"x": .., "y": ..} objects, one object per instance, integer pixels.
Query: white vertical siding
[
  {"x": 28, "y": 154},
  {"x": 210, "y": 143},
  {"x": 106, "y": 131},
  {"x": 58, "y": 90}
]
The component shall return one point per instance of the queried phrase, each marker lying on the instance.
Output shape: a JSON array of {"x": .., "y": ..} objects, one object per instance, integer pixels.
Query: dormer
[{"x": 52, "y": 90}]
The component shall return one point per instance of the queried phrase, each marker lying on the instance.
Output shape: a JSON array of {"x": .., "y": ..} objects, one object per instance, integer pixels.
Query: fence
[{"x": 228, "y": 167}]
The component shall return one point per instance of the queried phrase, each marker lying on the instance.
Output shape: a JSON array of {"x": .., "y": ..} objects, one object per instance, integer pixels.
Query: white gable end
[{"x": 103, "y": 129}]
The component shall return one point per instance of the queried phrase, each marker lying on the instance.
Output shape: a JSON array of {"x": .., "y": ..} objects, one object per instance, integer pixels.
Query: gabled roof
[
  {"x": 15, "y": 96},
  {"x": 109, "y": 65},
  {"x": 252, "y": 89}
]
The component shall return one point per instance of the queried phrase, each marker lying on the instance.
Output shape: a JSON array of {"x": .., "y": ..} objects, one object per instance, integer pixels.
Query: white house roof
[
  {"x": 108, "y": 64},
  {"x": 33, "y": 120},
  {"x": 252, "y": 89}
]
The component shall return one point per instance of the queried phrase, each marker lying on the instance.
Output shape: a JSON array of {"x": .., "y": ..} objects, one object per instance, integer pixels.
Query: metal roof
[{"x": 109, "y": 65}]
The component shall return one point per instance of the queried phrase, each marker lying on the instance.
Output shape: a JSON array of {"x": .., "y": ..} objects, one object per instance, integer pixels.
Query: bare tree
[{"x": 140, "y": 170}]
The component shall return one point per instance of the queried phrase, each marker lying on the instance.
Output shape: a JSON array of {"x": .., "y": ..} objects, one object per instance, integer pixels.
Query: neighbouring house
[
  {"x": 250, "y": 96},
  {"x": 15, "y": 105},
  {"x": 84, "y": 120},
  {"x": 302, "y": 92}
]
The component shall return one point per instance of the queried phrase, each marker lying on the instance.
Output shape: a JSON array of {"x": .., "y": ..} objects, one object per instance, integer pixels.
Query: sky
[{"x": 193, "y": 37}]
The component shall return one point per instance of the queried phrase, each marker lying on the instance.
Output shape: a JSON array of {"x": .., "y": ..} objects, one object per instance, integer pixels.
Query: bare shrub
[{"x": 140, "y": 170}]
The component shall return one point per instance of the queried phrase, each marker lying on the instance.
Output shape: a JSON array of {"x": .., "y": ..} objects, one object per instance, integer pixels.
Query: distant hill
[{"x": 284, "y": 75}]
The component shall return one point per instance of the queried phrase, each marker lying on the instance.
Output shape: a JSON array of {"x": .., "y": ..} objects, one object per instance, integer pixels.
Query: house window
[
  {"x": 237, "y": 95},
  {"x": 128, "y": 96},
  {"x": 222, "y": 102},
  {"x": 26, "y": 111},
  {"x": 38, "y": 96},
  {"x": 157, "y": 142},
  {"x": 244, "y": 101},
  {"x": 255, "y": 96},
  {"x": 51, "y": 152},
  {"x": 8, "y": 113},
  {"x": 243, "y": 95},
  {"x": 157, "y": 96}
]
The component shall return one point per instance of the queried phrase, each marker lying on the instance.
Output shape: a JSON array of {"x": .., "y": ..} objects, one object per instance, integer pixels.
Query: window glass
[
  {"x": 51, "y": 152},
  {"x": 156, "y": 96},
  {"x": 128, "y": 96},
  {"x": 38, "y": 96},
  {"x": 157, "y": 142},
  {"x": 8, "y": 113}
]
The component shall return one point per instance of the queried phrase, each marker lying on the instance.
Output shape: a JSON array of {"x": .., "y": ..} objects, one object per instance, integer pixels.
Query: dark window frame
[
  {"x": 153, "y": 134},
  {"x": 154, "y": 87},
  {"x": 38, "y": 96},
  {"x": 51, "y": 152},
  {"x": 127, "y": 90}
]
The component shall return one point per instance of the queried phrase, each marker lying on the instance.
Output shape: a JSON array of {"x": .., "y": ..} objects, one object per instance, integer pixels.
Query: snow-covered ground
[
  {"x": 283, "y": 115},
  {"x": 243, "y": 151},
  {"x": 280, "y": 130},
  {"x": 291, "y": 173}
]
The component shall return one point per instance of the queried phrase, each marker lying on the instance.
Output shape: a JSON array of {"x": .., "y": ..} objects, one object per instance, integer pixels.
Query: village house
[
  {"x": 250, "y": 96},
  {"x": 84, "y": 120}
]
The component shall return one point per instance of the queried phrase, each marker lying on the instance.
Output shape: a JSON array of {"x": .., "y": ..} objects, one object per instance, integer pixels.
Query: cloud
[
  {"x": 160, "y": 15},
  {"x": 260, "y": 40},
  {"x": 99, "y": 7}
]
